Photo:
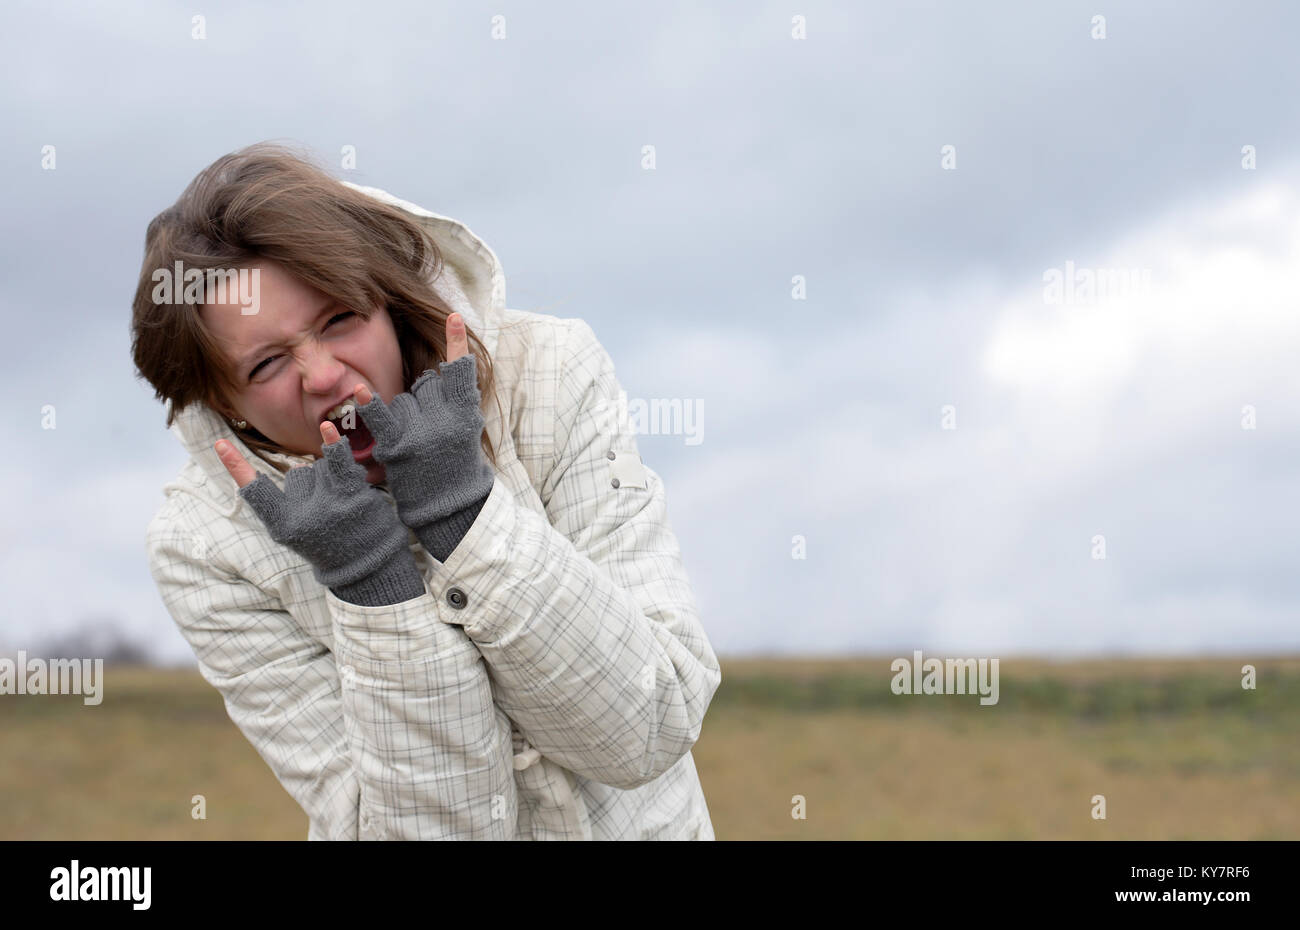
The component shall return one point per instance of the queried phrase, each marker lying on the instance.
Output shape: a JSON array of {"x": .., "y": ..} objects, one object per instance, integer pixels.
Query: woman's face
[{"x": 299, "y": 356}]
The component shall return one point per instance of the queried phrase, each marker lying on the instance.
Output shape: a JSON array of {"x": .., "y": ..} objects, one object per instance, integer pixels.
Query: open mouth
[{"x": 359, "y": 436}]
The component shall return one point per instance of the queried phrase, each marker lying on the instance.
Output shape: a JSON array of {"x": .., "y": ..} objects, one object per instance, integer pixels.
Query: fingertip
[
  {"x": 457, "y": 336},
  {"x": 334, "y": 442},
  {"x": 339, "y": 461}
]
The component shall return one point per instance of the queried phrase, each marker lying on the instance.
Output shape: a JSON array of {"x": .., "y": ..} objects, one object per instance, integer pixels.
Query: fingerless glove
[
  {"x": 428, "y": 442},
  {"x": 332, "y": 517}
]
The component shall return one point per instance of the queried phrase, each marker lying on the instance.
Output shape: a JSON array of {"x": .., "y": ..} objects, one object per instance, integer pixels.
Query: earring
[{"x": 239, "y": 424}]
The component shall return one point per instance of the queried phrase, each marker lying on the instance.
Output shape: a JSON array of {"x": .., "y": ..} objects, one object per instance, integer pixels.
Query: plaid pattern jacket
[{"x": 556, "y": 695}]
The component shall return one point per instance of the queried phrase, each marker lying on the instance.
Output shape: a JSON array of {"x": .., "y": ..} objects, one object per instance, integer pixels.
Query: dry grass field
[{"x": 1178, "y": 748}]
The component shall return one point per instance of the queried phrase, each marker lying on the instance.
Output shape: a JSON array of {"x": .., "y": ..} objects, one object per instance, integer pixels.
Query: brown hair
[{"x": 268, "y": 201}]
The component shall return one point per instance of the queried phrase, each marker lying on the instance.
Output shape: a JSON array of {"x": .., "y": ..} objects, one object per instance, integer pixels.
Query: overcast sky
[{"x": 776, "y": 157}]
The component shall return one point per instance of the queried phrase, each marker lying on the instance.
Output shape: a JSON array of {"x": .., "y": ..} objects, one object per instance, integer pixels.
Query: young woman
[{"x": 431, "y": 623}]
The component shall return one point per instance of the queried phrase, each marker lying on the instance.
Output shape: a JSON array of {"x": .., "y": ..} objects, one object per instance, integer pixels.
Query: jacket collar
[{"x": 471, "y": 283}]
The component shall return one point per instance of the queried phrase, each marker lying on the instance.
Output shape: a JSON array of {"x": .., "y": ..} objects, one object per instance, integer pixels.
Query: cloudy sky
[{"x": 947, "y": 436}]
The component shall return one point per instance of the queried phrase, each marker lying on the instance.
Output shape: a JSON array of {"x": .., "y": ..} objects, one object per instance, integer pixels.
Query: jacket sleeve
[
  {"x": 585, "y": 616},
  {"x": 385, "y": 737}
]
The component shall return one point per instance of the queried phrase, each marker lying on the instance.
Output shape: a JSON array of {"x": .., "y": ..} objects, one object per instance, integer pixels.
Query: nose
[{"x": 321, "y": 371}]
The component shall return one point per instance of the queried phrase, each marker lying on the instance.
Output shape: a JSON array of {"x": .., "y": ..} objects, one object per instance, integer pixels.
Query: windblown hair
[{"x": 270, "y": 202}]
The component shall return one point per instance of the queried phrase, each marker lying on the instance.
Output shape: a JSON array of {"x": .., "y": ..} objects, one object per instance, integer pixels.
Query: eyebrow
[{"x": 255, "y": 355}]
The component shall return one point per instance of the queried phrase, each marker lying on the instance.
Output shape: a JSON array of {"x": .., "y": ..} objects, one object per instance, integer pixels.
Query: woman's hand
[
  {"x": 245, "y": 474},
  {"x": 428, "y": 442},
  {"x": 333, "y": 518}
]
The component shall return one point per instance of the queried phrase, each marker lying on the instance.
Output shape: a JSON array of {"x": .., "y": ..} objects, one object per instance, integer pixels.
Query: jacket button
[
  {"x": 611, "y": 456},
  {"x": 614, "y": 482},
  {"x": 456, "y": 598}
]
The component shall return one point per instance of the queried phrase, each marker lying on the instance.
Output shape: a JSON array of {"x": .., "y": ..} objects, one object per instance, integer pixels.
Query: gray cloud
[{"x": 774, "y": 158}]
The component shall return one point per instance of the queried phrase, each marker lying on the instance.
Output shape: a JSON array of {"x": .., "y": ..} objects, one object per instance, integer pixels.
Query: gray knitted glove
[
  {"x": 329, "y": 515},
  {"x": 428, "y": 442}
]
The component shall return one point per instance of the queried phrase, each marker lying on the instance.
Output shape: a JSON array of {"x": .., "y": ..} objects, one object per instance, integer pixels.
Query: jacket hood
[{"x": 471, "y": 282}]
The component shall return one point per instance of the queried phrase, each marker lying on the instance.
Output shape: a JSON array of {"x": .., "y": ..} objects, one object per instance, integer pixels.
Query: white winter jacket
[{"x": 557, "y": 695}]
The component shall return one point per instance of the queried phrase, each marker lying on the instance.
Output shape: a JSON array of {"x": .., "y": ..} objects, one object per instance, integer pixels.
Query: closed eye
[
  {"x": 260, "y": 365},
  {"x": 332, "y": 320}
]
